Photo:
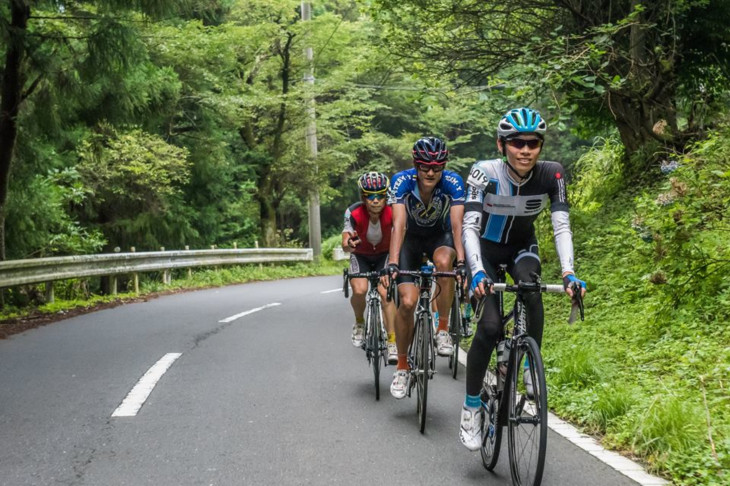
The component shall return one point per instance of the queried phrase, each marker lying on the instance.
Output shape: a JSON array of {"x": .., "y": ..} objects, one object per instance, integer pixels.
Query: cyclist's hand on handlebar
[
  {"x": 388, "y": 273},
  {"x": 460, "y": 269},
  {"x": 461, "y": 281},
  {"x": 571, "y": 283},
  {"x": 393, "y": 270},
  {"x": 482, "y": 285}
]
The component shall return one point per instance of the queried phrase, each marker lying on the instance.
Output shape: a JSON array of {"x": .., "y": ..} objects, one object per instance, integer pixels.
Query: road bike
[
  {"x": 374, "y": 339},
  {"x": 422, "y": 354},
  {"x": 506, "y": 399},
  {"x": 459, "y": 326}
]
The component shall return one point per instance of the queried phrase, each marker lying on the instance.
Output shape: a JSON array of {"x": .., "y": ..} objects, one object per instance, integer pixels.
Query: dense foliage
[
  {"x": 648, "y": 367},
  {"x": 214, "y": 92},
  {"x": 155, "y": 123},
  {"x": 655, "y": 70}
]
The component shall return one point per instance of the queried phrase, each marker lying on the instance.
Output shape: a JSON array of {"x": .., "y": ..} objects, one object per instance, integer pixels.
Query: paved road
[{"x": 274, "y": 397}]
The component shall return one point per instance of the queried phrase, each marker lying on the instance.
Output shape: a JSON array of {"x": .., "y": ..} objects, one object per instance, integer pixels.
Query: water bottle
[{"x": 503, "y": 349}]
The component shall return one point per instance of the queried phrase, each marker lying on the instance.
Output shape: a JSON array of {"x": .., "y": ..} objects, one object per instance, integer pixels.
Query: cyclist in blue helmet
[{"x": 504, "y": 197}]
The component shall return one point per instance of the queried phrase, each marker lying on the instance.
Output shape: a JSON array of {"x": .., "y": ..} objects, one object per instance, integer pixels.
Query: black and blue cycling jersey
[{"x": 434, "y": 217}]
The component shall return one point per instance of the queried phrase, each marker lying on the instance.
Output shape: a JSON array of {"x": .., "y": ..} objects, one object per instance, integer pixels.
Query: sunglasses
[
  {"x": 373, "y": 197},
  {"x": 519, "y": 143},
  {"x": 425, "y": 168}
]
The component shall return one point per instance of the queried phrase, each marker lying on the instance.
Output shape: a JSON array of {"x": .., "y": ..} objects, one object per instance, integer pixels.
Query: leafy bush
[
  {"x": 655, "y": 257},
  {"x": 329, "y": 245}
]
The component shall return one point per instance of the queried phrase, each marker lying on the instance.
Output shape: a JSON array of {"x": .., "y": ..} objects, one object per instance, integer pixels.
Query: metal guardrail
[
  {"x": 339, "y": 254},
  {"x": 46, "y": 270}
]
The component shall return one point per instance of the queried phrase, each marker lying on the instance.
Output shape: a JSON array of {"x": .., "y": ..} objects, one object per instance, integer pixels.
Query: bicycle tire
[
  {"x": 422, "y": 369},
  {"x": 455, "y": 331},
  {"x": 527, "y": 435},
  {"x": 491, "y": 425},
  {"x": 374, "y": 343}
]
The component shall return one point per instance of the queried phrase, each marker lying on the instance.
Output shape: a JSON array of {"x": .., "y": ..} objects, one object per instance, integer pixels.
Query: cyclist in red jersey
[{"x": 366, "y": 236}]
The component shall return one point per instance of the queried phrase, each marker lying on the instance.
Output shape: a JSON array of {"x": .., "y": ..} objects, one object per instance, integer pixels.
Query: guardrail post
[
  {"x": 190, "y": 270},
  {"x": 256, "y": 245},
  {"x": 166, "y": 273},
  {"x": 135, "y": 275},
  {"x": 113, "y": 278},
  {"x": 49, "y": 292}
]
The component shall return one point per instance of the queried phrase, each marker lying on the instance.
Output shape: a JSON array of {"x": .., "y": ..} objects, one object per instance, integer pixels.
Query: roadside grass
[{"x": 647, "y": 371}]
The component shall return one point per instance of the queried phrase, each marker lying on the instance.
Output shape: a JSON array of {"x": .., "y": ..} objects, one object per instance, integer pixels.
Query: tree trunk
[
  {"x": 267, "y": 213},
  {"x": 11, "y": 93}
]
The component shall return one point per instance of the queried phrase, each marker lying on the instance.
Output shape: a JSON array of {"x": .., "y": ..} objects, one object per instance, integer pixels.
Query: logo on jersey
[
  {"x": 533, "y": 205},
  {"x": 455, "y": 181},
  {"x": 427, "y": 216}
]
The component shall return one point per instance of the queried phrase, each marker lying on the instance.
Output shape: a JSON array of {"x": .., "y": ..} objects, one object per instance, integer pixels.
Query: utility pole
[{"x": 315, "y": 226}]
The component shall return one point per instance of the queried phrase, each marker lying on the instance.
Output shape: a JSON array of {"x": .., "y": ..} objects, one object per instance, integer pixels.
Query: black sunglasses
[
  {"x": 519, "y": 143},
  {"x": 426, "y": 167}
]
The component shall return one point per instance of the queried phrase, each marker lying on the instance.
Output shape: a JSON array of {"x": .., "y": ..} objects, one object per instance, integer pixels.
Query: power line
[{"x": 425, "y": 88}]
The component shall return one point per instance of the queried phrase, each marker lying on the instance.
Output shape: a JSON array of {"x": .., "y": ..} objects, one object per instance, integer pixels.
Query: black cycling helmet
[
  {"x": 430, "y": 151},
  {"x": 373, "y": 183}
]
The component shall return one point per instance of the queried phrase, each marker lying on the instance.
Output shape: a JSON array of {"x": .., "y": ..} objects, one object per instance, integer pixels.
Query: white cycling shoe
[
  {"x": 392, "y": 354},
  {"x": 470, "y": 431},
  {"x": 399, "y": 387},
  {"x": 357, "y": 334},
  {"x": 444, "y": 346}
]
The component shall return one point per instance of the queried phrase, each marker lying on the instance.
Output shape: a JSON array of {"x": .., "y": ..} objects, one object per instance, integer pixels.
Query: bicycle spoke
[{"x": 527, "y": 417}]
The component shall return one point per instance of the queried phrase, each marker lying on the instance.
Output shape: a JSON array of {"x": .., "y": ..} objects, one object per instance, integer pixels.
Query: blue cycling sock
[
  {"x": 472, "y": 401},
  {"x": 527, "y": 363}
]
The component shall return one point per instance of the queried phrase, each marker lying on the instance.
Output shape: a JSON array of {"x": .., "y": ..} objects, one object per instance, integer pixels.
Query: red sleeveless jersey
[{"x": 360, "y": 219}]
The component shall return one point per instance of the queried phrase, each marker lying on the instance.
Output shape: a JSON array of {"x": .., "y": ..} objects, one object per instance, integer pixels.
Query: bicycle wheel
[
  {"x": 422, "y": 367},
  {"x": 491, "y": 426},
  {"x": 455, "y": 331},
  {"x": 374, "y": 345},
  {"x": 527, "y": 415}
]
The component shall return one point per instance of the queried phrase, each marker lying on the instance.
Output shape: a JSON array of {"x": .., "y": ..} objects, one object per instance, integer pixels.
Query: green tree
[
  {"x": 654, "y": 69},
  {"x": 37, "y": 36},
  {"x": 135, "y": 182}
]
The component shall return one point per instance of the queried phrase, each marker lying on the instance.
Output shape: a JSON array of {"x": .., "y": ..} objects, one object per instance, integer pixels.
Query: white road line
[
  {"x": 136, "y": 398},
  {"x": 237, "y": 316},
  {"x": 330, "y": 291},
  {"x": 625, "y": 466}
]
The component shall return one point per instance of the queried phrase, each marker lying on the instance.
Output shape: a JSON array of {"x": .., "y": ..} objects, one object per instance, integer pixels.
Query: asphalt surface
[{"x": 279, "y": 397}]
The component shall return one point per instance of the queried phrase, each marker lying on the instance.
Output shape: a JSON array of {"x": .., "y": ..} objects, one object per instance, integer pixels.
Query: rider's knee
[
  {"x": 359, "y": 290},
  {"x": 407, "y": 303},
  {"x": 488, "y": 331}
]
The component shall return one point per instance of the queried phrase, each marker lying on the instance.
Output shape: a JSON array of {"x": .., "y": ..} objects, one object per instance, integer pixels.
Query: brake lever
[
  {"x": 345, "y": 287},
  {"x": 577, "y": 306},
  {"x": 391, "y": 290}
]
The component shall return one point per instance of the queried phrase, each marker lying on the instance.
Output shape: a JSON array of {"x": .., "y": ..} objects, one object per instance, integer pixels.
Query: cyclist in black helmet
[{"x": 428, "y": 207}]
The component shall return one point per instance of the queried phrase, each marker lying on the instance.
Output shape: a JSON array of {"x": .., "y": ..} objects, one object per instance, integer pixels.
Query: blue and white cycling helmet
[{"x": 521, "y": 120}]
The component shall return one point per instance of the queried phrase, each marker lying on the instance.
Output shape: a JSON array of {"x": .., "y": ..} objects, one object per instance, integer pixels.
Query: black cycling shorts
[
  {"x": 367, "y": 263},
  {"x": 415, "y": 246}
]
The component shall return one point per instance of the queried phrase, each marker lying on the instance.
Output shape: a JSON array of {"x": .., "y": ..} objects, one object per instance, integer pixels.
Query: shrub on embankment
[{"x": 649, "y": 369}]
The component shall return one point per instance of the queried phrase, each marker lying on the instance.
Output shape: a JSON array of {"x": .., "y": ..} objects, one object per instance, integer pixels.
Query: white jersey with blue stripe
[{"x": 503, "y": 211}]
